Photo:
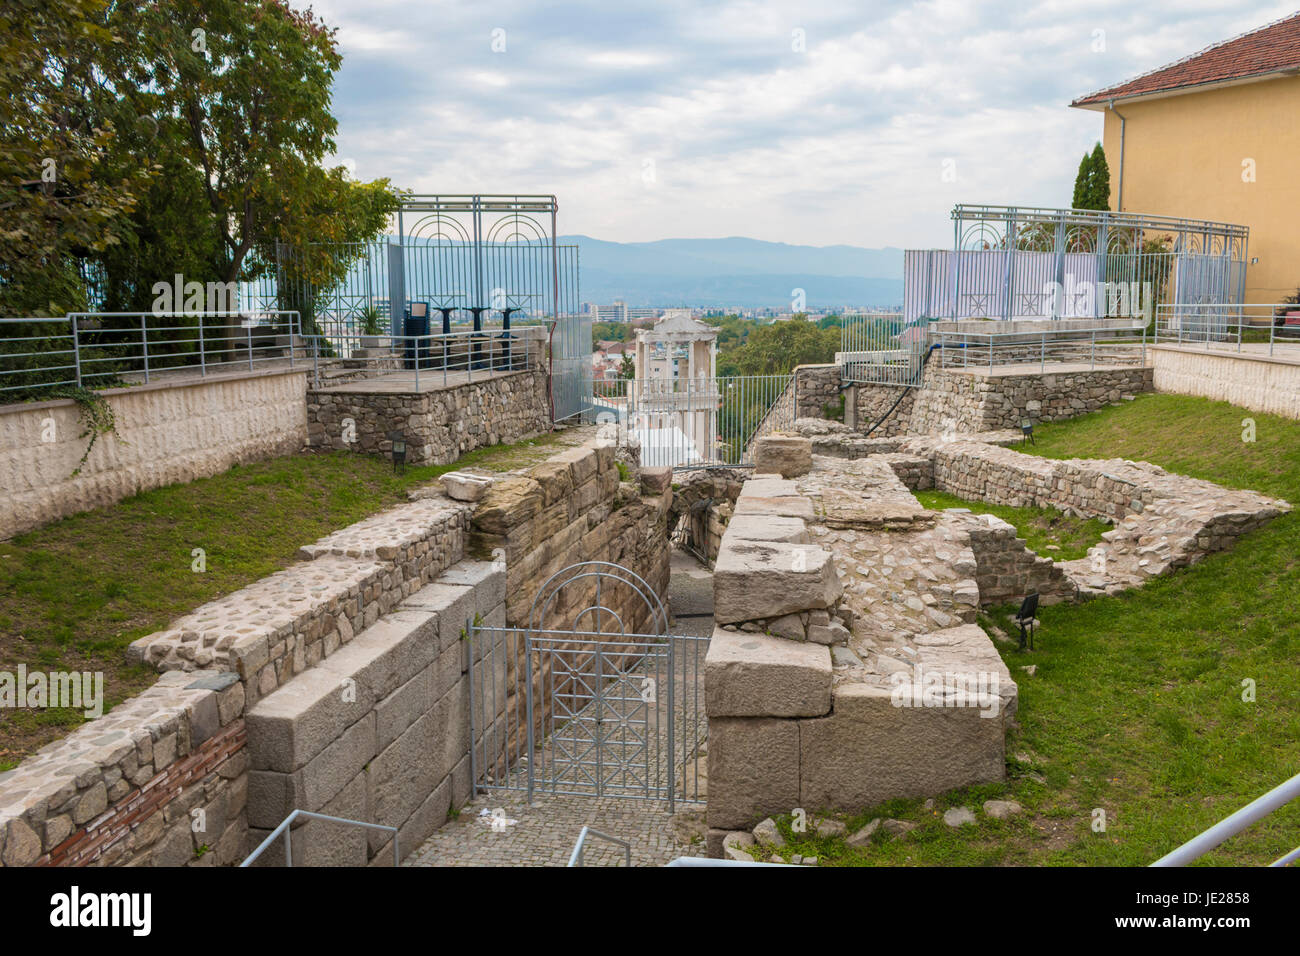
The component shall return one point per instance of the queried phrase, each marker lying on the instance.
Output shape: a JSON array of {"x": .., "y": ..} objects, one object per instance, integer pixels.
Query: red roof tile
[{"x": 1273, "y": 47}]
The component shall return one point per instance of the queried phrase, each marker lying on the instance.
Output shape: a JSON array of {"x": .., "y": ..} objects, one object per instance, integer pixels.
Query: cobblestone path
[{"x": 544, "y": 834}]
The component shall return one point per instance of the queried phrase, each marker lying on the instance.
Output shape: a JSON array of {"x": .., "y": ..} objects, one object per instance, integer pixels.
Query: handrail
[
  {"x": 575, "y": 858},
  {"x": 288, "y": 847},
  {"x": 1256, "y": 810}
]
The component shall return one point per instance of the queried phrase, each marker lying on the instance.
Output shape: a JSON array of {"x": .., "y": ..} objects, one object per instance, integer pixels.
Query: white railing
[
  {"x": 427, "y": 361},
  {"x": 103, "y": 349},
  {"x": 1240, "y": 326},
  {"x": 1256, "y": 810},
  {"x": 1121, "y": 345}
]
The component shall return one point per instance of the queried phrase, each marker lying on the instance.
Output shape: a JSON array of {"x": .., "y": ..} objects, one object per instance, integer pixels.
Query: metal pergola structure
[
  {"x": 468, "y": 262},
  {"x": 1010, "y": 262}
]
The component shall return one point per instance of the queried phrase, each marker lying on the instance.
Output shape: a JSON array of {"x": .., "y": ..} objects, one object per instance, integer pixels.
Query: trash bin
[{"x": 417, "y": 349}]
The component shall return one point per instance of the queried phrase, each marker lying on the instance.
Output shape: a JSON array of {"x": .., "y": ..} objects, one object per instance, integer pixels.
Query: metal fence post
[
  {"x": 76, "y": 349},
  {"x": 248, "y": 328},
  {"x": 144, "y": 343},
  {"x": 203, "y": 364}
]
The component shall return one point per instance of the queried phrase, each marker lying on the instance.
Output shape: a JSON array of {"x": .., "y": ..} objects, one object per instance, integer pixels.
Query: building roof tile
[{"x": 1269, "y": 49}]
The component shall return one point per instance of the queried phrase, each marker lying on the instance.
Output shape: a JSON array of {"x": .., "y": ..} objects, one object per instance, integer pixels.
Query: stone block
[
  {"x": 656, "y": 481},
  {"x": 753, "y": 770},
  {"x": 753, "y": 580},
  {"x": 755, "y": 675},
  {"x": 752, "y": 527},
  {"x": 869, "y": 750},
  {"x": 786, "y": 455}
]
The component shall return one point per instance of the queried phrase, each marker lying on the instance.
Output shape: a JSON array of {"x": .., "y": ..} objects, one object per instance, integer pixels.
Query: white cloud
[{"x": 843, "y": 142}]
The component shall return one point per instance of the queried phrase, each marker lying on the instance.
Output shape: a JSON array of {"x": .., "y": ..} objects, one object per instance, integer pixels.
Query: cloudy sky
[{"x": 826, "y": 121}]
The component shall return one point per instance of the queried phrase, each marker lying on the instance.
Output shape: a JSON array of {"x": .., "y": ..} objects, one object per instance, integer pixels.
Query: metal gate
[{"x": 594, "y": 698}]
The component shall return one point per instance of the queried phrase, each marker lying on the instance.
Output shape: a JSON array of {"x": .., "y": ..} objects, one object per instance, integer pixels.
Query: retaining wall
[
  {"x": 1258, "y": 382},
  {"x": 171, "y": 432},
  {"x": 337, "y": 685},
  {"x": 440, "y": 424}
]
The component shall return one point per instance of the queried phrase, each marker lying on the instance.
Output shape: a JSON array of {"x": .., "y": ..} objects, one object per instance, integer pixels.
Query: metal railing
[
  {"x": 881, "y": 348},
  {"x": 287, "y": 823},
  {"x": 1252, "y": 812},
  {"x": 1109, "y": 347},
  {"x": 1004, "y": 260},
  {"x": 575, "y": 858},
  {"x": 1240, "y": 326},
  {"x": 696, "y": 422},
  {"x": 415, "y": 361},
  {"x": 103, "y": 349}
]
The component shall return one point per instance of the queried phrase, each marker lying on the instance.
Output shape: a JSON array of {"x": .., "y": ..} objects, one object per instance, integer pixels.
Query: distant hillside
[{"x": 736, "y": 272}]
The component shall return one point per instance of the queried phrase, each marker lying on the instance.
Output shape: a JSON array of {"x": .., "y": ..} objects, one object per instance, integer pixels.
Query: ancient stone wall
[
  {"x": 440, "y": 425},
  {"x": 379, "y": 733},
  {"x": 170, "y": 432},
  {"x": 951, "y": 400},
  {"x": 161, "y": 780},
  {"x": 816, "y": 388}
]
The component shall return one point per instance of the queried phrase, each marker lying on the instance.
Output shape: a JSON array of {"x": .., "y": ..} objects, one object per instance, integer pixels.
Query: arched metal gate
[{"x": 594, "y": 698}]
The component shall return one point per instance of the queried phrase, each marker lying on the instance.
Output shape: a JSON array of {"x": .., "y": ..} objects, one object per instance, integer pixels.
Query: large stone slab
[
  {"x": 766, "y": 528},
  {"x": 869, "y": 750},
  {"x": 754, "y": 580},
  {"x": 753, "y": 770},
  {"x": 755, "y": 675},
  {"x": 788, "y": 506}
]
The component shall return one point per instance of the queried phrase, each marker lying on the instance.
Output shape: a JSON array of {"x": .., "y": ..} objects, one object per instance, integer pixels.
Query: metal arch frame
[
  {"x": 598, "y": 570},
  {"x": 987, "y": 228}
]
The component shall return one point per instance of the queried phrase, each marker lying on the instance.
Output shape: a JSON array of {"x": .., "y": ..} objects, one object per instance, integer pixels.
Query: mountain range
[{"x": 736, "y": 272}]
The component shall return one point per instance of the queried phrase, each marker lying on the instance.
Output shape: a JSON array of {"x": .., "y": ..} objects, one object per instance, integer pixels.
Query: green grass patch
[
  {"x": 1136, "y": 707},
  {"x": 1046, "y": 531},
  {"x": 78, "y": 591}
]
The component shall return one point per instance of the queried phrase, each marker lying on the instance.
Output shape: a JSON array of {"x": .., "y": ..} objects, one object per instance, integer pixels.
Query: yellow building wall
[{"x": 1186, "y": 155}]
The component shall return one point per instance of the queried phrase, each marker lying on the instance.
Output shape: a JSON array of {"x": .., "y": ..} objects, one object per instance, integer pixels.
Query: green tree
[
  {"x": 777, "y": 348},
  {"x": 62, "y": 197},
  {"x": 1092, "y": 184}
]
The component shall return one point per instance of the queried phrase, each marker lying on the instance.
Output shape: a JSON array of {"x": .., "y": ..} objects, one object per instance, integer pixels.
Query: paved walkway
[{"x": 544, "y": 834}]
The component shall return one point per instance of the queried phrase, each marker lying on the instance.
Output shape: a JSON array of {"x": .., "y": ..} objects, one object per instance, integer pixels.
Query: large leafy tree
[
  {"x": 190, "y": 137},
  {"x": 63, "y": 195}
]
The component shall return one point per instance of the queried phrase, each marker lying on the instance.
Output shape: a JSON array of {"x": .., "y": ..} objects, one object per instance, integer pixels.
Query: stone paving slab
[{"x": 544, "y": 834}]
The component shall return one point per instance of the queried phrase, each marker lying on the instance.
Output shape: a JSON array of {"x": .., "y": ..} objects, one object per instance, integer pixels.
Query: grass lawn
[
  {"x": 79, "y": 590},
  {"x": 1046, "y": 531},
  {"x": 1136, "y": 707}
]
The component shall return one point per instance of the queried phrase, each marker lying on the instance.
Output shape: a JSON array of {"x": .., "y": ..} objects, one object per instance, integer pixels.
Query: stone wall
[
  {"x": 573, "y": 508},
  {"x": 816, "y": 387},
  {"x": 1252, "y": 380},
  {"x": 291, "y": 620},
  {"x": 1005, "y": 569},
  {"x": 951, "y": 400},
  {"x": 440, "y": 424},
  {"x": 379, "y": 733},
  {"x": 873, "y": 401},
  {"x": 828, "y": 585},
  {"x": 171, "y": 432},
  {"x": 158, "y": 781}
]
